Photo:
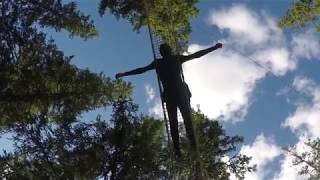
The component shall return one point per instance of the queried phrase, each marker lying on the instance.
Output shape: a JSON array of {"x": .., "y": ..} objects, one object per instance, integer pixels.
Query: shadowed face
[{"x": 165, "y": 50}]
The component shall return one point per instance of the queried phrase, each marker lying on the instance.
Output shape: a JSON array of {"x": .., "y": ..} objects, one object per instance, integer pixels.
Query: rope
[
  {"x": 256, "y": 62},
  {"x": 159, "y": 85},
  {"x": 267, "y": 69},
  {"x": 196, "y": 164},
  {"x": 160, "y": 88},
  {"x": 153, "y": 37}
]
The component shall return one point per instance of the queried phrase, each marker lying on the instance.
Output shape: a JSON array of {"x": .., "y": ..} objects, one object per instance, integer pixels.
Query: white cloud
[
  {"x": 245, "y": 25},
  {"x": 306, "y": 45},
  {"x": 223, "y": 81},
  {"x": 149, "y": 92},
  {"x": 257, "y": 150},
  {"x": 156, "y": 108},
  {"x": 154, "y": 104},
  {"x": 305, "y": 120},
  {"x": 275, "y": 59},
  {"x": 287, "y": 170},
  {"x": 264, "y": 151}
]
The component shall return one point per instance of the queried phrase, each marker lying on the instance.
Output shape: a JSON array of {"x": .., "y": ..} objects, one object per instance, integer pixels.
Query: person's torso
[{"x": 169, "y": 71}]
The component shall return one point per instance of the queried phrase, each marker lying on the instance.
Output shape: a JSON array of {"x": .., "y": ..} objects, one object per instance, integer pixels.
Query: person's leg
[
  {"x": 174, "y": 130},
  {"x": 185, "y": 109}
]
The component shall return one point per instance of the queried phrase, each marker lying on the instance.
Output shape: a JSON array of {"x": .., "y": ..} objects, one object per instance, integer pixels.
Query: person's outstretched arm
[
  {"x": 137, "y": 71},
  {"x": 201, "y": 53}
]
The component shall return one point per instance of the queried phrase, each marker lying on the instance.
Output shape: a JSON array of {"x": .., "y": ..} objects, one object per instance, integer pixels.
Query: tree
[
  {"x": 214, "y": 144},
  {"x": 128, "y": 146},
  {"x": 21, "y": 20},
  {"x": 309, "y": 159},
  {"x": 136, "y": 143},
  {"x": 43, "y": 95},
  {"x": 302, "y": 13},
  {"x": 168, "y": 19},
  {"x": 36, "y": 77}
]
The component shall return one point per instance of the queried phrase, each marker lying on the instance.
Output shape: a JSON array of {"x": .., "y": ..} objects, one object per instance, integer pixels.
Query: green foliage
[
  {"x": 43, "y": 80},
  {"x": 302, "y": 13},
  {"x": 309, "y": 159},
  {"x": 128, "y": 146},
  {"x": 42, "y": 96},
  {"x": 35, "y": 77},
  {"x": 18, "y": 15},
  {"x": 136, "y": 143},
  {"x": 214, "y": 144},
  {"x": 21, "y": 20},
  {"x": 167, "y": 18}
]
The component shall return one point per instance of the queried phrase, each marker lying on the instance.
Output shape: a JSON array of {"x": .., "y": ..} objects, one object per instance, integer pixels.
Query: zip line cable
[
  {"x": 198, "y": 173},
  {"x": 155, "y": 41},
  {"x": 159, "y": 84},
  {"x": 257, "y": 63},
  {"x": 267, "y": 69}
]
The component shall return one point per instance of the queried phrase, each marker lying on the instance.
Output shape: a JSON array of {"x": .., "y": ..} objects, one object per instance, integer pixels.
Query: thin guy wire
[{"x": 257, "y": 63}]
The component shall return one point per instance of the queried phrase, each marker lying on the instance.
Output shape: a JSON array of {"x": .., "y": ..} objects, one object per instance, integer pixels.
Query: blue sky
[{"x": 248, "y": 101}]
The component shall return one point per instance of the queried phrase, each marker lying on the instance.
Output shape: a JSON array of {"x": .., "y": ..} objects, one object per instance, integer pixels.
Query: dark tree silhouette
[
  {"x": 169, "y": 19},
  {"x": 36, "y": 77},
  {"x": 42, "y": 96},
  {"x": 128, "y": 146},
  {"x": 308, "y": 160}
]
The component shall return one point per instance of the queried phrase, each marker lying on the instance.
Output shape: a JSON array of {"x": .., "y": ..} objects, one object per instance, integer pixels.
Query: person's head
[{"x": 165, "y": 50}]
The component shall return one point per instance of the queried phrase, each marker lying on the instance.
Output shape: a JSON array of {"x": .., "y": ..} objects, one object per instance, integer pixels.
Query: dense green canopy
[
  {"x": 302, "y": 13},
  {"x": 127, "y": 146},
  {"x": 35, "y": 77},
  {"x": 42, "y": 98},
  {"x": 170, "y": 19}
]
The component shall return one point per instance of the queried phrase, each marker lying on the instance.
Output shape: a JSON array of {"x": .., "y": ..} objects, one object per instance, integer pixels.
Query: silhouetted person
[{"x": 176, "y": 92}]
